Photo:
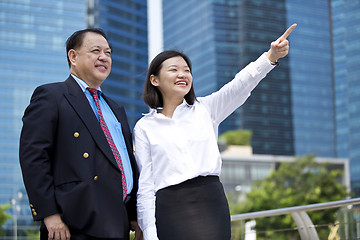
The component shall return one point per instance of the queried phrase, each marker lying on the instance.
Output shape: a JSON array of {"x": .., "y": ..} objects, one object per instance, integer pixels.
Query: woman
[{"x": 180, "y": 195}]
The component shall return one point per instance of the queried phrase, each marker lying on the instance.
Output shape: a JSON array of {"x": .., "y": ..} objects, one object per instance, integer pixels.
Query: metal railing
[{"x": 306, "y": 228}]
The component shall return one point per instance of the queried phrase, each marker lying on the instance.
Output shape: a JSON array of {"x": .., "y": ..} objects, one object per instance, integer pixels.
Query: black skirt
[{"x": 195, "y": 209}]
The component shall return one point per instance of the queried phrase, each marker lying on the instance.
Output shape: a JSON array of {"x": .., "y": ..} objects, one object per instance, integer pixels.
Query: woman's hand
[{"x": 280, "y": 47}]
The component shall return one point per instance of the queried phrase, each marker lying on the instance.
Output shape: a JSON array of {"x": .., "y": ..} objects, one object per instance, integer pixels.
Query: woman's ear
[{"x": 154, "y": 80}]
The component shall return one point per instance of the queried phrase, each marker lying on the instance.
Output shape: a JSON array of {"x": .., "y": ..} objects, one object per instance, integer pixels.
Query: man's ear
[
  {"x": 154, "y": 80},
  {"x": 72, "y": 56}
]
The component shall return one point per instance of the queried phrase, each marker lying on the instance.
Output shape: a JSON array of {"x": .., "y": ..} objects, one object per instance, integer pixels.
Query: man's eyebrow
[{"x": 98, "y": 46}]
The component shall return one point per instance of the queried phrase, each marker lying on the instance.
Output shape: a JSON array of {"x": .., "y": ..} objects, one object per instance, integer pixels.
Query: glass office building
[
  {"x": 221, "y": 37},
  {"x": 311, "y": 78},
  {"x": 346, "y": 56},
  {"x": 32, "y": 52}
]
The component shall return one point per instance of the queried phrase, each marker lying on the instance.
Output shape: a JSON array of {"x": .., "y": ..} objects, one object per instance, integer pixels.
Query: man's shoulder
[
  {"x": 51, "y": 91},
  {"x": 52, "y": 85},
  {"x": 57, "y": 87}
]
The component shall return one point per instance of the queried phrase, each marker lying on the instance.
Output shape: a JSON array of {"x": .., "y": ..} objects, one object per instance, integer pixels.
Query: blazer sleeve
[{"x": 36, "y": 151}]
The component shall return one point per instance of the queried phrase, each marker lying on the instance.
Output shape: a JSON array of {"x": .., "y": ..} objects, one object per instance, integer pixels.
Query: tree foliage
[
  {"x": 297, "y": 183},
  {"x": 236, "y": 137},
  {"x": 3, "y": 216},
  {"x": 32, "y": 235}
]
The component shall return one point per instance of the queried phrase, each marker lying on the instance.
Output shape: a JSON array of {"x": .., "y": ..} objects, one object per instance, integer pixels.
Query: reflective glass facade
[
  {"x": 346, "y": 58},
  {"x": 267, "y": 113},
  {"x": 32, "y": 52},
  {"x": 221, "y": 37},
  {"x": 311, "y": 78}
]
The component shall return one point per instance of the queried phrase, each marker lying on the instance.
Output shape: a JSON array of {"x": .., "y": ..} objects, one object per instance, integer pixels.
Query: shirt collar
[
  {"x": 153, "y": 112},
  {"x": 83, "y": 85}
]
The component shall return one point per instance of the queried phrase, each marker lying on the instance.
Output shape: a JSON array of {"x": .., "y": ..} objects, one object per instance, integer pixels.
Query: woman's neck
[{"x": 170, "y": 106}]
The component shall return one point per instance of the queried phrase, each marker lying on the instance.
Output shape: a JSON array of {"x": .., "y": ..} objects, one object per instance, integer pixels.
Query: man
[{"x": 76, "y": 151}]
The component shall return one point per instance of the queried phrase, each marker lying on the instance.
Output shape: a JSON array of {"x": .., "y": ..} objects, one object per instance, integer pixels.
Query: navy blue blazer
[{"x": 67, "y": 163}]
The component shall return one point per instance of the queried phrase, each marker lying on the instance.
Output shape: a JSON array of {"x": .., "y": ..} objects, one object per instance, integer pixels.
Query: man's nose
[{"x": 104, "y": 56}]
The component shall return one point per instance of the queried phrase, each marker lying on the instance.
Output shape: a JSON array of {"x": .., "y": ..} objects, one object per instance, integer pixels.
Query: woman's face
[{"x": 174, "y": 80}]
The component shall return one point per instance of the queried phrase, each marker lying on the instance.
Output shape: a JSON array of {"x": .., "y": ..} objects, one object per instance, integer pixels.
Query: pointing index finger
[{"x": 288, "y": 31}]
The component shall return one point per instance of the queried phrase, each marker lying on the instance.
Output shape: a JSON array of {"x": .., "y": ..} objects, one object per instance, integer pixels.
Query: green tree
[
  {"x": 32, "y": 235},
  {"x": 236, "y": 137},
  {"x": 301, "y": 182},
  {"x": 3, "y": 216}
]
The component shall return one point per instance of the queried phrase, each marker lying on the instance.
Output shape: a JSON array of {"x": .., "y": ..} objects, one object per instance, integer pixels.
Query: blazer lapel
[{"x": 81, "y": 105}]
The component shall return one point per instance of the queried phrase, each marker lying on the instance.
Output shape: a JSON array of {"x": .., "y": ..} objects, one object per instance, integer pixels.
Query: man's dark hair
[
  {"x": 76, "y": 39},
  {"x": 152, "y": 95}
]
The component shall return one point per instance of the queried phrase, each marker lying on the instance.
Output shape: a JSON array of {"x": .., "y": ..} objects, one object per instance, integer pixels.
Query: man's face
[{"x": 92, "y": 61}]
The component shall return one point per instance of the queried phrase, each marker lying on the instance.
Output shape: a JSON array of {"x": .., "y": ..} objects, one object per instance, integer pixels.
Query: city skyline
[{"x": 316, "y": 112}]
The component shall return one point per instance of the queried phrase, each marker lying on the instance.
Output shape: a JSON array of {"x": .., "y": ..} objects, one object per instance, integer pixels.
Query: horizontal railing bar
[{"x": 288, "y": 210}]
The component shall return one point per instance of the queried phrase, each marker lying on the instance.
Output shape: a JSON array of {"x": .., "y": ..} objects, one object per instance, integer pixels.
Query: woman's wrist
[{"x": 272, "y": 60}]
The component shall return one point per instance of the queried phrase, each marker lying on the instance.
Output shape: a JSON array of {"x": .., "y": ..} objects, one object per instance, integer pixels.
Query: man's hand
[
  {"x": 280, "y": 47},
  {"x": 138, "y": 233},
  {"x": 57, "y": 229}
]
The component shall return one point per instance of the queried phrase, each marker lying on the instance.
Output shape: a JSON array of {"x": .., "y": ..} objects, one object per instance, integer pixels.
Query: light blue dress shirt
[{"x": 114, "y": 127}]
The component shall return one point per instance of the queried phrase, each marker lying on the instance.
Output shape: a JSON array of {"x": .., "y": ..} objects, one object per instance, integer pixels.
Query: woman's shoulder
[{"x": 146, "y": 117}]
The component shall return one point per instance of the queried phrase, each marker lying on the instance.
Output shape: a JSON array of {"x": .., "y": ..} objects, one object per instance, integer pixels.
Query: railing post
[{"x": 305, "y": 226}]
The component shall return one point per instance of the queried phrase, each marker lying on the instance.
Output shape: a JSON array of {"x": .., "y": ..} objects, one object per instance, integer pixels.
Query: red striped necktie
[{"x": 106, "y": 131}]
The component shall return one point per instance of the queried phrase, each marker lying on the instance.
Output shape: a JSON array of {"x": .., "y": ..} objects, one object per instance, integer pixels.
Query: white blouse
[{"x": 169, "y": 151}]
